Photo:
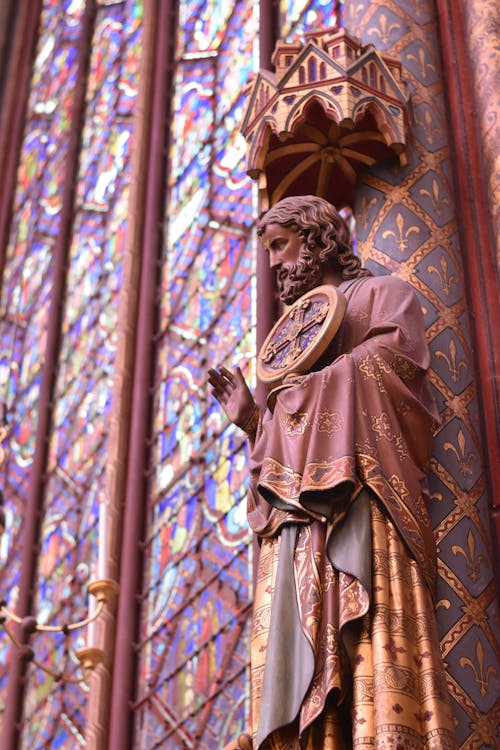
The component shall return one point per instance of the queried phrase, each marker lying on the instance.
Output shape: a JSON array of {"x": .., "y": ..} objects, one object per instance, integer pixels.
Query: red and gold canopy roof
[{"x": 332, "y": 108}]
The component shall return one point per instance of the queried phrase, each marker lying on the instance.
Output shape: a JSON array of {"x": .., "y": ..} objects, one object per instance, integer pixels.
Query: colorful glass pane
[
  {"x": 75, "y": 477},
  {"x": 27, "y": 279},
  {"x": 202, "y": 25},
  {"x": 194, "y": 643},
  {"x": 298, "y": 16}
]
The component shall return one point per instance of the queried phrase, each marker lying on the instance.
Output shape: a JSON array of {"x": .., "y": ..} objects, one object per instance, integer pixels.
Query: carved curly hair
[{"x": 321, "y": 227}]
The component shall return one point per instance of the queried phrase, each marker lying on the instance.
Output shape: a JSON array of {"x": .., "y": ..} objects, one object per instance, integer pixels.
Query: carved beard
[{"x": 295, "y": 279}]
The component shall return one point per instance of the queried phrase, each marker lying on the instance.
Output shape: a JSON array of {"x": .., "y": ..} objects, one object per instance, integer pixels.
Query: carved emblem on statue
[{"x": 301, "y": 335}]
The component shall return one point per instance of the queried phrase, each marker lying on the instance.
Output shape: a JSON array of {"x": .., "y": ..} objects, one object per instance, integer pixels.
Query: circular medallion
[{"x": 302, "y": 334}]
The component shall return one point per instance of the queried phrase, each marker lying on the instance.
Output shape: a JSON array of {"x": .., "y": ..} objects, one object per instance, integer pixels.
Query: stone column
[{"x": 480, "y": 21}]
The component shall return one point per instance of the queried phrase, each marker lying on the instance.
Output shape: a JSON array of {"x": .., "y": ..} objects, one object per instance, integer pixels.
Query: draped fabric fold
[{"x": 338, "y": 475}]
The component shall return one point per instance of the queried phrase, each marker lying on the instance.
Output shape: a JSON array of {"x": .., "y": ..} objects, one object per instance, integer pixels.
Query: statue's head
[{"x": 326, "y": 243}]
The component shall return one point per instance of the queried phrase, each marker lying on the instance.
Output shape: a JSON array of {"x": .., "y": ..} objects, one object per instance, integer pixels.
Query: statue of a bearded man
[{"x": 344, "y": 649}]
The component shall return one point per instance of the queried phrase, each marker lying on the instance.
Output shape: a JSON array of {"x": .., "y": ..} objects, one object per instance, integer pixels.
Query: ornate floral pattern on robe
[{"x": 345, "y": 651}]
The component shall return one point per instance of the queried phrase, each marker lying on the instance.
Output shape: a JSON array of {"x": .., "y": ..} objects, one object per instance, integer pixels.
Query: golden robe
[{"x": 345, "y": 651}]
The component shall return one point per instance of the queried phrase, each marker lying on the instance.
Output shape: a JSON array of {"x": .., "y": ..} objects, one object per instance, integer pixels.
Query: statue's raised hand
[{"x": 233, "y": 394}]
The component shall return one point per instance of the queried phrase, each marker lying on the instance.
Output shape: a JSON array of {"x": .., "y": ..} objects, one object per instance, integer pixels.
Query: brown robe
[{"x": 344, "y": 650}]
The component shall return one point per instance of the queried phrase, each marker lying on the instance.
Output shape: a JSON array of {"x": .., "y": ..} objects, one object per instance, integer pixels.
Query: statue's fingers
[
  {"x": 240, "y": 377},
  {"x": 216, "y": 380},
  {"x": 227, "y": 374},
  {"x": 214, "y": 373}
]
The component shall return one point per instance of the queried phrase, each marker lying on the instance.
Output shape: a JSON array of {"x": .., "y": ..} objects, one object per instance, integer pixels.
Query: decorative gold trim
[
  {"x": 90, "y": 656},
  {"x": 250, "y": 426},
  {"x": 103, "y": 589}
]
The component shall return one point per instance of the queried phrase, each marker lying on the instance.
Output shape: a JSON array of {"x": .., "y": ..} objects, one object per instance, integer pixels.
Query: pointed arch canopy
[{"x": 320, "y": 119}]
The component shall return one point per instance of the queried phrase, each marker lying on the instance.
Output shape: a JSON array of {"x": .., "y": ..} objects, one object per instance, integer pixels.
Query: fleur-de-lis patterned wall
[{"x": 407, "y": 225}]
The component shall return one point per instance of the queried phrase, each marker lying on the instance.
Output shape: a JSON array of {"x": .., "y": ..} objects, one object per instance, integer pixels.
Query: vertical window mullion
[{"x": 159, "y": 25}]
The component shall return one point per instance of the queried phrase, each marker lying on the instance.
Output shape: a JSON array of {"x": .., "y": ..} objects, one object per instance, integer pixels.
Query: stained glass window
[
  {"x": 297, "y": 16},
  {"x": 28, "y": 276},
  {"x": 55, "y": 714},
  {"x": 196, "y": 602}
]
